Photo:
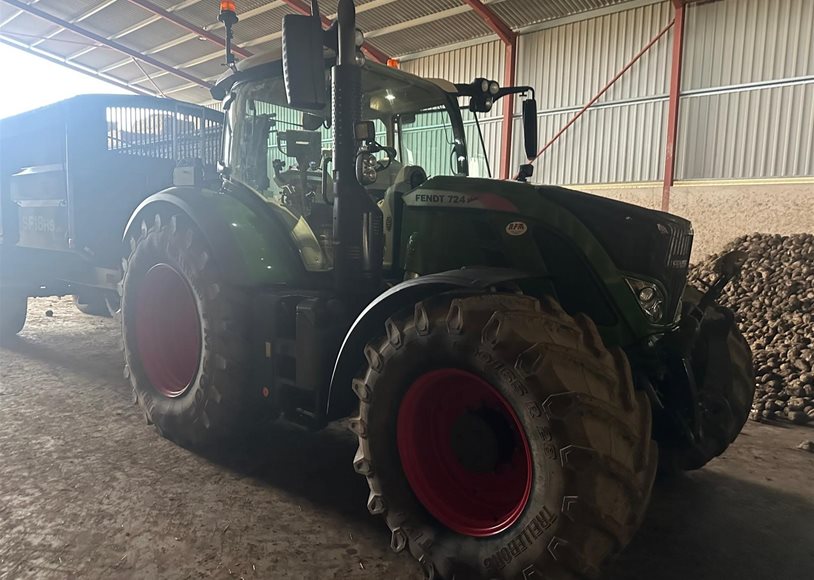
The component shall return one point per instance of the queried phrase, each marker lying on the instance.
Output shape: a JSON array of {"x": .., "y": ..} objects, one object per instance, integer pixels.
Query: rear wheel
[
  {"x": 499, "y": 438},
  {"x": 184, "y": 335},
  {"x": 13, "y": 310},
  {"x": 722, "y": 364}
]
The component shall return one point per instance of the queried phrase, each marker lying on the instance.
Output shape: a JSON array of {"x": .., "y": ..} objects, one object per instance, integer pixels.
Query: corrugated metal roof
[
  {"x": 392, "y": 13},
  {"x": 437, "y": 32},
  {"x": 114, "y": 18},
  {"x": 396, "y": 27},
  {"x": 519, "y": 13}
]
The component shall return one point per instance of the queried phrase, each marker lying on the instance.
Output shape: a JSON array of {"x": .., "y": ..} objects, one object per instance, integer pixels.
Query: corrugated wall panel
[
  {"x": 734, "y": 42},
  {"x": 749, "y": 75},
  {"x": 729, "y": 128},
  {"x": 622, "y": 139},
  {"x": 609, "y": 144},
  {"x": 747, "y": 134},
  {"x": 569, "y": 64},
  {"x": 461, "y": 65}
]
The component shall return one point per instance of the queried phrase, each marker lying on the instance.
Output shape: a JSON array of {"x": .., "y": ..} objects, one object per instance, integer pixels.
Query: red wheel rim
[
  {"x": 168, "y": 331},
  {"x": 464, "y": 452}
]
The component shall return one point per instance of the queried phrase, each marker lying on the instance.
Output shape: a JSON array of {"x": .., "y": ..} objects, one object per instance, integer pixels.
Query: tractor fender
[
  {"x": 248, "y": 241},
  {"x": 370, "y": 323}
]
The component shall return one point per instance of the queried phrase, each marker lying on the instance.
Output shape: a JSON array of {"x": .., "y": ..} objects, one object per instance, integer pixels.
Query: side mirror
[
  {"x": 530, "y": 128},
  {"x": 303, "y": 64}
]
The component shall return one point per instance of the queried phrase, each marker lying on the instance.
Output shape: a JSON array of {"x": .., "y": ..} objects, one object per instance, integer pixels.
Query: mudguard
[
  {"x": 370, "y": 323},
  {"x": 249, "y": 242}
]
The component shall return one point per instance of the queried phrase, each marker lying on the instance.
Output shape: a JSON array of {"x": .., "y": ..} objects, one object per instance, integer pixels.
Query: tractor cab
[{"x": 409, "y": 130}]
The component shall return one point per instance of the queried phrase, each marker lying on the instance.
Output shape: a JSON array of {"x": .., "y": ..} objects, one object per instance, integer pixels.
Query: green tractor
[{"x": 518, "y": 360}]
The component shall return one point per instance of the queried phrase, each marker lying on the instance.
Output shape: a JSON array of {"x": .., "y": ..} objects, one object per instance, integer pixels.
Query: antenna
[{"x": 228, "y": 15}]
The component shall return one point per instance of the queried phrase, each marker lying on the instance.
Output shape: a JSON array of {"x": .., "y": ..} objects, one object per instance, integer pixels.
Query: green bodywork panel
[
  {"x": 250, "y": 245},
  {"x": 454, "y": 222}
]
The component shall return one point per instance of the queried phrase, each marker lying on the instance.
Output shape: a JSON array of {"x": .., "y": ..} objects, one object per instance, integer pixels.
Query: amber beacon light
[{"x": 228, "y": 15}]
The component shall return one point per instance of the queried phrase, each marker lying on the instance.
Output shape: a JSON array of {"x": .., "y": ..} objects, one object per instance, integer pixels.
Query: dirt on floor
[{"x": 87, "y": 490}]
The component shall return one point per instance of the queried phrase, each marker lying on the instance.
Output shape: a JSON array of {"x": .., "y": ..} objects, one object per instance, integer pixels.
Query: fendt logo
[{"x": 516, "y": 228}]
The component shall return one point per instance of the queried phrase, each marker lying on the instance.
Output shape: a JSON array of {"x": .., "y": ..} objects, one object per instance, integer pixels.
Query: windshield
[
  {"x": 284, "y": 154},
  {"x": 417, "y": 118}
]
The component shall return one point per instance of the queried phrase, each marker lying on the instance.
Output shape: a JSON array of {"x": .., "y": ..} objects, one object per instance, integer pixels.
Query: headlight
[
  {"x": 366, "y": 169},
  {"x": 650, "y": 298},
  {"x": 646, "y": 295}
]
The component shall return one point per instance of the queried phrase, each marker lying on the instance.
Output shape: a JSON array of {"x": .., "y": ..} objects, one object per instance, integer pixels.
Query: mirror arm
[{"x": 515, "y": 91}]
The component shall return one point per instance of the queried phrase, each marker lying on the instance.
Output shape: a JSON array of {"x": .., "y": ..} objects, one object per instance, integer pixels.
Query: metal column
[
  {"x": 509, "y": 39},
  {"x": 675, "y": 96}
]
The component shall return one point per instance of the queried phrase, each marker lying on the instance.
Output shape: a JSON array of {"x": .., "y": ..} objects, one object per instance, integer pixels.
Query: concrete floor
[{"x": 88, "y": 490}]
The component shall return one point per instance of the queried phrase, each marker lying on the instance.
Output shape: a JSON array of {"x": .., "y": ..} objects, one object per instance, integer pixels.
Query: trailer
[{"x": 71, "y": 175}]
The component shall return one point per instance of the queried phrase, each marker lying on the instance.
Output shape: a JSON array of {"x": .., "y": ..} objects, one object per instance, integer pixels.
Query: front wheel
[
  {"x": 724, "y": 374},
  {"x": 499, "y": 438}
]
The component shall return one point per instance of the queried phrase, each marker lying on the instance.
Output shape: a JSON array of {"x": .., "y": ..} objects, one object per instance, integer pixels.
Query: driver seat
[{"x": 407, "y": 179}]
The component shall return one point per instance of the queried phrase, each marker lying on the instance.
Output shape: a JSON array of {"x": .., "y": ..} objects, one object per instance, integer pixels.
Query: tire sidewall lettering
[{"x": 522, "y": 544}]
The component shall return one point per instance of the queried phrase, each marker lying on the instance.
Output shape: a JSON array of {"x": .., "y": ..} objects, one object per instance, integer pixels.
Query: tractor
[{"x": 517, "y": 361}]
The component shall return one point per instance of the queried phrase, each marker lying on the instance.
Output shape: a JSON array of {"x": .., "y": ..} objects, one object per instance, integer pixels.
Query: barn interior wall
[{"x": 746, "y": 111}]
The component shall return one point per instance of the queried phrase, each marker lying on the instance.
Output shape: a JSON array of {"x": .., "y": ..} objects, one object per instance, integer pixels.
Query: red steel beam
[
  {"x": 301, "y": 7},
  {"x": 675, "y": 97},
  {"x": 509, "y": 68},
  {"x": 187, "y": 25},
  {"x": 494, "y": 22},
  {"x": 607, "y": 87},
  {"x": 106, "y": 42},
  {"x": 509, "y": 38}
]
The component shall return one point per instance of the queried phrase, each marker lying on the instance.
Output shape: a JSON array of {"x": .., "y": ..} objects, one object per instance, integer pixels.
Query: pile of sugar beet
[{"x": 774, "y": 305}]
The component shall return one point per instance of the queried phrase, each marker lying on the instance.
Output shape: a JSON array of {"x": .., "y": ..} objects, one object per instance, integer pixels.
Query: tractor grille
[
  {"x": 677, "y": 266},
  {"x": 680, "y": 246}
]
